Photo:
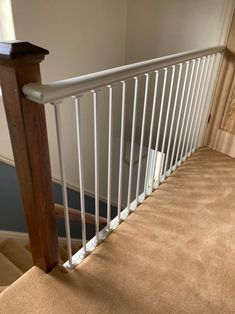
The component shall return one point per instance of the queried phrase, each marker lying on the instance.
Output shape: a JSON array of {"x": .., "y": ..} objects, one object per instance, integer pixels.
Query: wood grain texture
[
  {"x": 228, "y": 122},
  {"x": 76, "y": 215},
  {"x": 28, "y": 132}
]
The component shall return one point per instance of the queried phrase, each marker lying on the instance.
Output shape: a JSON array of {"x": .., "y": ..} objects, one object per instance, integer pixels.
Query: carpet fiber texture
[{"x": 175, "y": 254}]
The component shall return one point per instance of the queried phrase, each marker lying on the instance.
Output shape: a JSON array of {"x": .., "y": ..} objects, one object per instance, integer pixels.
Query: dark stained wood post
[{"x": 19, "y": 64}]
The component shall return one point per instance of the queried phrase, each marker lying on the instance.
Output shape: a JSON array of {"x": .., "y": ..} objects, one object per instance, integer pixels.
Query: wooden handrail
[
  {"x": 19, "y": 65},
  {"x": 75, "y": 214}
]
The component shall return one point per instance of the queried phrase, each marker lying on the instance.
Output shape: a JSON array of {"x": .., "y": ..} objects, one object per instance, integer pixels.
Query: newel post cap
[{"x": 20, "y": 52}]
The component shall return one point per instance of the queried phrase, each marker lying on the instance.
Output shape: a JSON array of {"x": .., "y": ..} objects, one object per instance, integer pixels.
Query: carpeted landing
[{"x": 175, "y": 254}]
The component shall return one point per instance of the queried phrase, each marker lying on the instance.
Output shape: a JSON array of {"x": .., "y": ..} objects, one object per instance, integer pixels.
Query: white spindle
[
  {"x": 200, "y": 103},
  {"x": 80, "y": 169},
  {"x": 96, "y": 158},
  {"x": 109, "y": 157},
  {"x": 63, "y": 179},
  {"x": 184, "y": 115},
  {"x": 190, "y": 109},
  {"x": 211, "y": 94},
  {"x": 208, "y": 81},
  {"x": 159, "y": 125},
  {"x": 195, "y": 105},
  {"x": 121, "y": 148},
  {"x": 147, "y": 171},
  {"x": 172, "y": 119},
  {"x": 167, "y": 119},
  {"x": 179, "y": 115},
  {"x": 132, "y": 143},
  {"x": 142, "y": 136}
]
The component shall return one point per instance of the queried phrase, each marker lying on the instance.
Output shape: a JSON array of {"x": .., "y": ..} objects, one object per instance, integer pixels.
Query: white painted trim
[
  {"x": 6, "y": 21},
  {"x": 225, "y": 142},
  {"x": 227, "y": 20},
  {"x": 23, "y": 237},
  {"x": 19, "y": 236},
  {"x": 7, "y": 161}
]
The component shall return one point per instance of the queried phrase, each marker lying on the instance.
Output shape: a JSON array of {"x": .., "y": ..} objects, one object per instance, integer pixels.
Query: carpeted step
[
  {"x": 74, "y": 246},
  {"x": 8, "y": 271},
  {"x": 27, "y": 247},
  {"x": 17, "y": 254},
  {"x": 63, "y": 254},
  {"x": 2, "y": 288},
  {"x": 62, "y": 250}
]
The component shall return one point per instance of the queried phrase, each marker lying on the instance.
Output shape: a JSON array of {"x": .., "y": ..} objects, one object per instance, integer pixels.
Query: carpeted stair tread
[
  {"x": 74, "y": 246},
  {"x": 27, "y": 247},
  {"x": 17, "y": 254},
  {"x": 2, "y": 288},
  {"x": 62, "y": 250},
  {"x": 181, "y": 262},
  {"x": 63, "y": 254},
  {"x": 8, "y": 271}
]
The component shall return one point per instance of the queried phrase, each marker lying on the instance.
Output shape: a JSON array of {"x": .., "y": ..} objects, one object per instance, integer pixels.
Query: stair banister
[
  {"x": 24, "y": 96},
  {"x": 46, "y": 93},
  {"x": 19, "y": 65}
]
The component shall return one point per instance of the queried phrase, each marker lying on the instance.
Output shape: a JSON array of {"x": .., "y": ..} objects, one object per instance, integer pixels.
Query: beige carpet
[
  {"x": 175, "y": 254},
  {"x": 16, "y": 259}
]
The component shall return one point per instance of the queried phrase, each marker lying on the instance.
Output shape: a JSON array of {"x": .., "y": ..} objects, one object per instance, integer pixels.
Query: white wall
[
  {"x": 7, "y": 33},
  {"x": 82, "y": 36},
  {"x": 85, "y": 36},
  {"x": 156, "y": 28}
]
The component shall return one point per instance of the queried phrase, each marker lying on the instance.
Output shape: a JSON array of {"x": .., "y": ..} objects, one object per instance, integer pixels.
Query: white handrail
[{"x": 45, "y": 93}]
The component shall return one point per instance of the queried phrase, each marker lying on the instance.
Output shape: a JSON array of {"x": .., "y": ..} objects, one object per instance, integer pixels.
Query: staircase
[
  {"x": 16, "y": 259},
  {"x": 175, "y": 254}
]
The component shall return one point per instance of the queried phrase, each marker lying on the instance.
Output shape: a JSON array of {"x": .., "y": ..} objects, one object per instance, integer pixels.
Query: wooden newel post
[{"x": 19, "y": 64}]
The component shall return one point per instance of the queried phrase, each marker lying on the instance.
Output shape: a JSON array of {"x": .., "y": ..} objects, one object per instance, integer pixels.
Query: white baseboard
[
  {"x": 7, "y": 161},
  {"x": 23, "y": 237},
  {"x": 56, "y": 180}
]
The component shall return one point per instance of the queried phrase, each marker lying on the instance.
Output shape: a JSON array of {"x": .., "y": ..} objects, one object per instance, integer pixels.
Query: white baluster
[
  {"x": 132, "y": 143},
  {"x": 208, "y": 82},
  {"x": 200, "y": 103},
  {"x": 147, "y": 171},
  {"x": 159, "y": 126},
  {"x": 187, "y": 151},
  {"x": 189, "y": 113},
  {"x": 184, "y": 117},
  {"x": 63, "y": 179},
  {"x": 179, "y": 114},
  {"x": 80, "y": 169},
  {"x": 172, "y": 120},
  {"x": 109, "y": 157},
  {"x": 121, "y": 148},
  {"x": 96, "y": 158},
  {"x": 142, "y": 137},
  {"x": 167, "y": 120}
]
